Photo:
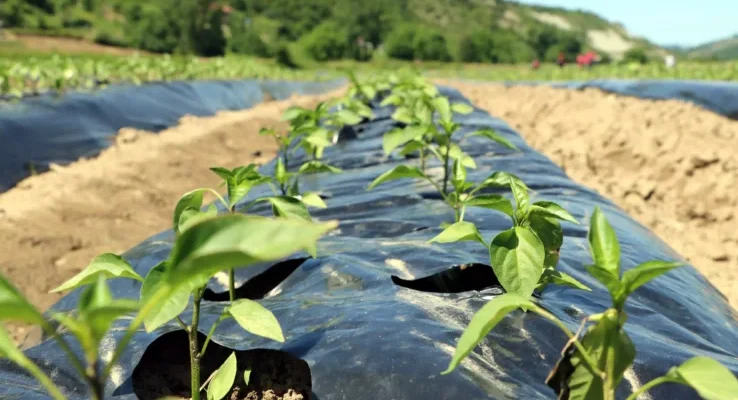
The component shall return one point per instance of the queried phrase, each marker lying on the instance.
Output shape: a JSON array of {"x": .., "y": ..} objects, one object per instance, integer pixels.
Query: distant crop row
[{"x": 23, "y": 75}]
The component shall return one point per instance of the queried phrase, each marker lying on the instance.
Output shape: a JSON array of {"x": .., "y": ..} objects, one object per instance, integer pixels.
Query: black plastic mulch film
[{"x": 364, "y": 337}]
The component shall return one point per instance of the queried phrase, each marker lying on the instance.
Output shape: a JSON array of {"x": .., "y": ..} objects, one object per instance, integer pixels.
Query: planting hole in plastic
[
  {"x": 164, "y": 370},
  {"x": 259, "y": 286},
  {"x": 457, "y": 279}
]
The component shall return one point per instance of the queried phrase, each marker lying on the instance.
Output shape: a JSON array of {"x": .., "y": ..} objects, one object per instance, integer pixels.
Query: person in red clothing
[{"x": 536, "y": 64}]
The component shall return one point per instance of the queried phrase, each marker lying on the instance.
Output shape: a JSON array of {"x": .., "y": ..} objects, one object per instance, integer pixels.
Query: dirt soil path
[
  {"x": 671, "y": 165},
  {"x": 64, "y": 45},
  {"x": 53, "y": 224}
]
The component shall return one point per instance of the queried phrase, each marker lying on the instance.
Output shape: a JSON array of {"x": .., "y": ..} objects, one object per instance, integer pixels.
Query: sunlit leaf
[
  {"x": 256, "y": 319},
  {"x": 491, "y": 201},
  {"x": 15, "y": 307},
  {"x": 317, "y": 167},
  {"x": 313, "y": 200},
  {"x": 222, "y": 382},
  {"x": 711, "y": 379},
  {"x": 551, "y": 209},
  {"x": 517, "y": 257},
  {"x": 109, "y": 265},
  {"x": 461, "y": 108},
  {"x": 483, "y": 322},
  {"x": 399, "y": 172},
  {"x": 603, "y": 243},
  {"x": 491, "y": 134},
  {"x": 398, "y": 137},
  {"x": 640, "y": 275},
  {"x": 458, "y": 232}
]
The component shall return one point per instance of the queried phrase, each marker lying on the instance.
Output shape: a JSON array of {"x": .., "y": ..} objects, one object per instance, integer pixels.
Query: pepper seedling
[
  {"x": 523, "y": 257},
  {"x": 200, "y": 250},
  {"x": 592, "y": 367},
  {"x": 318, "y": 128},
  {"x": 239, "y": 182}
]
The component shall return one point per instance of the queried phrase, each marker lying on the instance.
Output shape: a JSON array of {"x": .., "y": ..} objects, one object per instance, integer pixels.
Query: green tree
[
  {"x": 399, "y": 43},
  {"x": 430, "y": 46},
  {"x": 636, "y": 55}
]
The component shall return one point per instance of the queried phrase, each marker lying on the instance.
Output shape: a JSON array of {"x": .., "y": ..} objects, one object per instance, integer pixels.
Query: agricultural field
[{"x": 23, "y": 74}]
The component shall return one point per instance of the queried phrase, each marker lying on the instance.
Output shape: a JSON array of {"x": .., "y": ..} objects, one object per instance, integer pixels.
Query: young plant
[
  {"x": 318, "y": 128},
  {"x": 288, "y": 182},
  {"x": 593, "y": 366},
  {"x": 523, "y": 257},
  {"x": 239, "y": 182},
  {"x": 200, "y": 250}
]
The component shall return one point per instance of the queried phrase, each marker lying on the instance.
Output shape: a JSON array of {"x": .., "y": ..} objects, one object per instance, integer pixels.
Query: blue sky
[{"x": 665, "y": 22}]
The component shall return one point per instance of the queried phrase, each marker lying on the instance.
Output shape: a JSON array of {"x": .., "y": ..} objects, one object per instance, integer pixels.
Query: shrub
[
  {"x": 326, "y": 42},
  {"x": 283, "y": 56},
  {"x": 635, "y": 55},
  {"x": 430, "y": 46},
  {"x": 249, "y": 42},
  {"x": 399, "y": 43}
]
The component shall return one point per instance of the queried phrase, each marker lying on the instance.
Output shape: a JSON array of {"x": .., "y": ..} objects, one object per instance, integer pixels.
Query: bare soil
[
  {"x": 671, "y": 165},
  {"x": 53, "y": 224}
]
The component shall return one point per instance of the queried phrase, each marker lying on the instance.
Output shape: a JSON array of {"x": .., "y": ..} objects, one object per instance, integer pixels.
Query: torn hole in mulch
[
  {"x": 260, "y": 285},
  {"x": 457, "y": 279},
  {"x": 164, "y": 370}
]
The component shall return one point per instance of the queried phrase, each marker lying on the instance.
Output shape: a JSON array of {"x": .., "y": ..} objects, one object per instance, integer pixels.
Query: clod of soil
[{"x": 164, "y": 370}]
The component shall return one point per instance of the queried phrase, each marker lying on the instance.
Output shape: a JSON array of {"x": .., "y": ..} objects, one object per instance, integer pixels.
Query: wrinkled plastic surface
[
  {"x": 716, "y": 96},
  {"x": 44, "y": 130},
  {"x": 366, "y": 338}
]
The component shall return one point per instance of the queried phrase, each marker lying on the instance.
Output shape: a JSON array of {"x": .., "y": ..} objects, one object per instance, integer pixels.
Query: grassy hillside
[
  {"x": 724, "y": 49},
  {"x": 462, "y": 30}
]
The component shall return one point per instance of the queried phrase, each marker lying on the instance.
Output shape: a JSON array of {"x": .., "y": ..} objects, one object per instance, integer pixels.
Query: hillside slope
[
  {"x": 261, "y": 27},
  {"x": 723, "y": 49}
]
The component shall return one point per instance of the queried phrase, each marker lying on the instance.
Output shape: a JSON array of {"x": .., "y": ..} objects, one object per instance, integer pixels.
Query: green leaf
[
  {"x": 318, "y": 140},
  {"x": 256, "y": 319},
  {"x": 640, "y": 275},
  {"x": 9, "y": 351},
  {"x": 191, "y": 216},
  {"x": 80, "y": 329},
  {"x": 288, "y": 207},
  {"x": 498, "y": 179},
  {"x": 517, "y": 257},
  {"x": 223, "y": 173},
  {"x": 491, "y": 201},
  {"x": 462, "y": 108},
  {"x": 101, "y": 318},
  {"x": 455, "y": 153},
  {"x": 247, "y": 376},
  {"x": 483, "y": 322},
  {"x": 189, "y": 200},
  {"x": 235, "y": 241},
  {"x": 280, "y": 173},
  {"x": 313, "y": 200},
  {"x": 551, "y": 209},
  {"x": 611, "y": 349},
  {"x": 520, "y": 193},
  {"x": 411, "y": 147},
  {"x": 552, "y": 236},
  {"x": 398, "y": 137},
  {"x": 399, "y": 172},
  {"x": 459, "y": 232},
  {"x": 442, "y": 106},
  {"x": 222, "y": 382},
  {"x": 610, "y": 281},
  {"x": 311, "y": 167},
  {"x": 393, "y": 99},
  {"x": 109, "y": 265},
  {"x": 459, "y": 175},
  {"x": 404, "y": 115},
  {"x": 556, "y": 277},
  {"x": 347, "y": 117},
  {"x": 603, "y": 244},
  {"x": 237, "y": 191},
  {"x": 292, "y": 113},
  {"x": 15, "y": 307},
  {"x": 711, "y": 380},
  {"x": 171, "y": 307},
  {"x": 491, "y": 134}
]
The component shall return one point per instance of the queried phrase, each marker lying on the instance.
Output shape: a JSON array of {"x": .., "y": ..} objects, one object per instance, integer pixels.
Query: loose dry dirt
[
  {"x": 671, "y": 165},
  {"x": 65, "y": 45},
  {"x": 53, "y": 224}
]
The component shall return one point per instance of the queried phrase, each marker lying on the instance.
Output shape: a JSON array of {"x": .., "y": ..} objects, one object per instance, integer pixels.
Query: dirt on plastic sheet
[{"x": 672, "y": 165}]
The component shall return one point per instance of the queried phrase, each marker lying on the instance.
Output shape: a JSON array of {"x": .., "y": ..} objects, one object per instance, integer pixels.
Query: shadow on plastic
[
  {"x": 164, "y": 370},
  {"x": 259, "y": 286},
  {"x": 457, "y": 279}
]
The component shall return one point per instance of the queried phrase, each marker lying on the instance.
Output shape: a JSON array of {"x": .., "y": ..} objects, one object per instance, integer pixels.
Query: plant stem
[
  {"x": 97, "y": 385},
  {"x": 422, "y": 160},
  {"x": 210, "y": 333},
  {"x": 232, "y": 276},
  {"x": 194, "y": 348},
  {"x": 445, "y": 165},
  {"x": 648, "y": 386},
  {"x": 461, "y": 215},
  {"x": 76, "y": 363},
  {"x": 585, "y": 355}
]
